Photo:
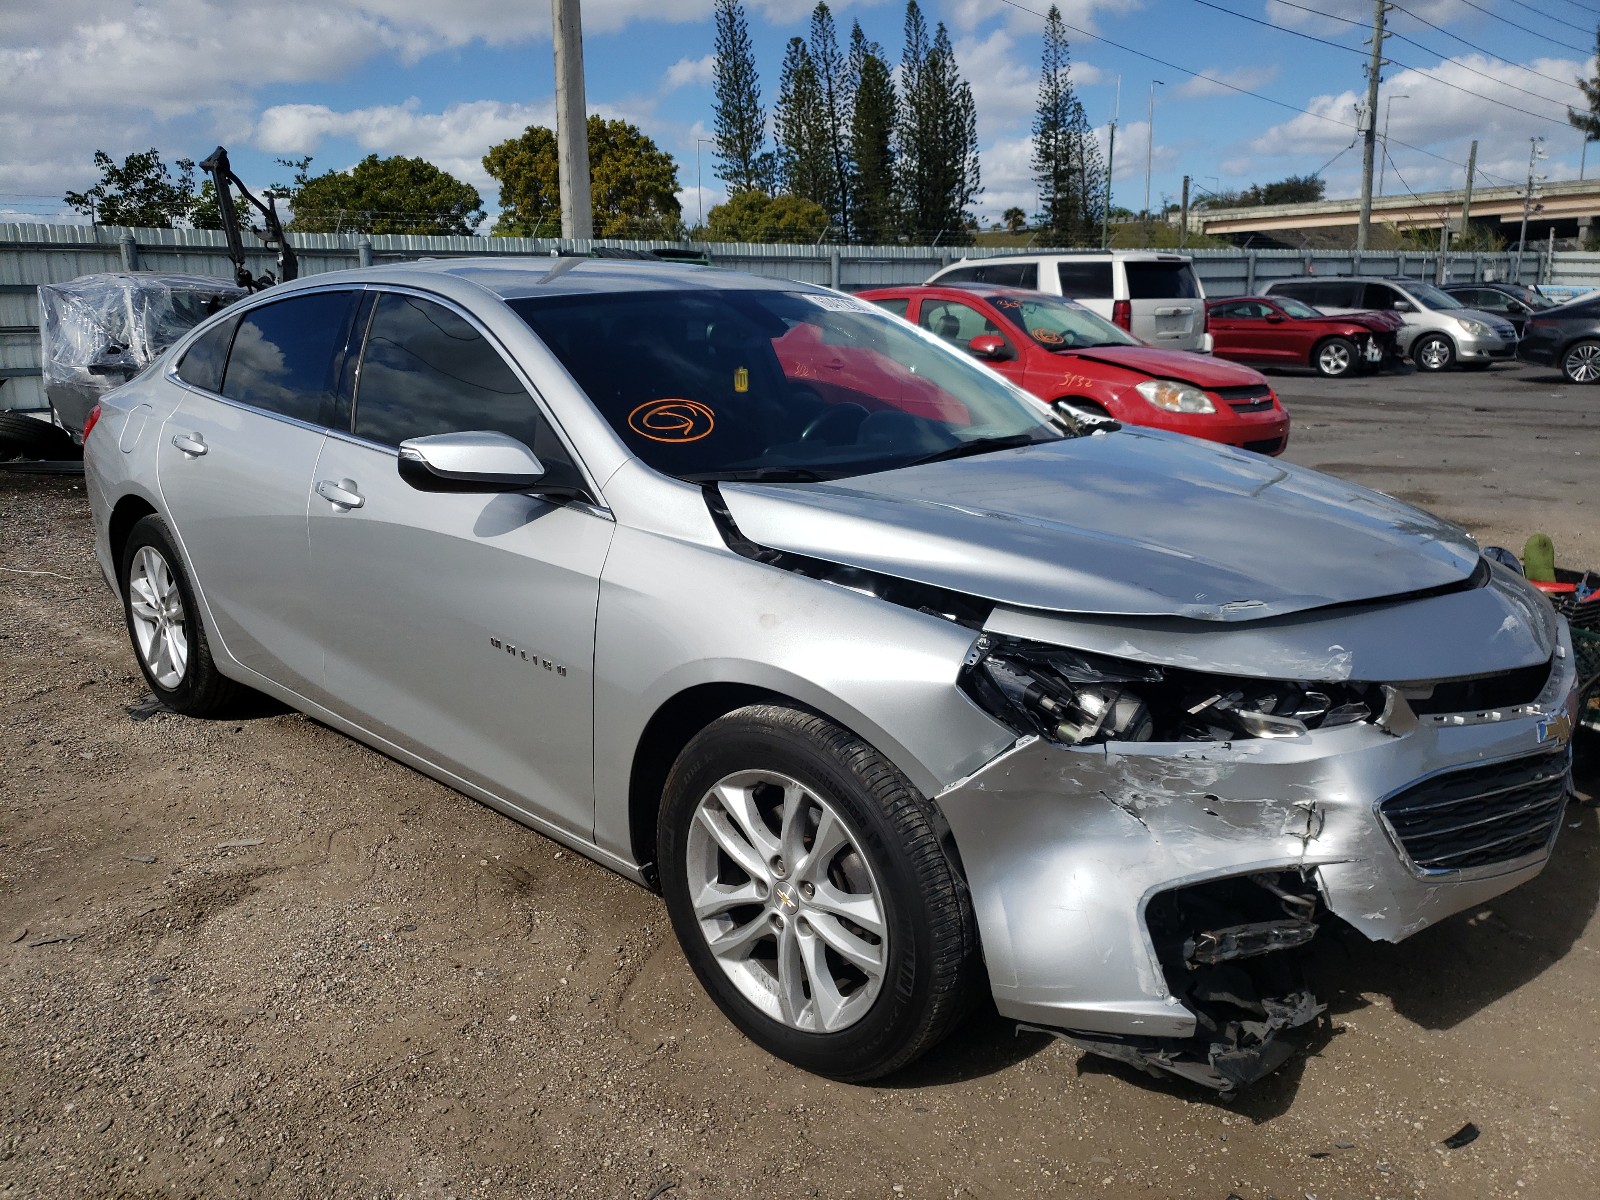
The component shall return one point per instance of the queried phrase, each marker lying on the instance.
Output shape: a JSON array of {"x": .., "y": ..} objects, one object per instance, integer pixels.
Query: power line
[
  {"x": 1472, "y": 46},
  {"x": 1404, "y": 66},
  {"x": 1547, "y": 16},
  {"x": 1507, "y": 21}
]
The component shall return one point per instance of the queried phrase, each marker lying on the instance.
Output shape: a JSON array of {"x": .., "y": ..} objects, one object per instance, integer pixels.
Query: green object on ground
[{"x": 1539, "y": 558}]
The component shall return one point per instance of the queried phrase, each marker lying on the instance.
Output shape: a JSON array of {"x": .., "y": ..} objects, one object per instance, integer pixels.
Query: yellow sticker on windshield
[{"x": 741, "y": 380}]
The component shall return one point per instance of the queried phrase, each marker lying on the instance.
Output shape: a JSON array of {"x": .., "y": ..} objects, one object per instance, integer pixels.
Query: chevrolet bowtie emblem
[
  {"x": 1555, "y": 726},
  {"x": 785, "y": 898}
]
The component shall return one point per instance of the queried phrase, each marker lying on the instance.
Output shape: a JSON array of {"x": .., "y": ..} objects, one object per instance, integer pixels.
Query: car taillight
[
  {"x": 1122, "y": 315},
  {"x": 90, "y": 421}
]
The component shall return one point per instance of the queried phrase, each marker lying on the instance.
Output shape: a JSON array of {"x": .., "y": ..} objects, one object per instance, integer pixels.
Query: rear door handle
[
  {"x": 191, "y": 444},
  {"x": 342, "y": 494}
]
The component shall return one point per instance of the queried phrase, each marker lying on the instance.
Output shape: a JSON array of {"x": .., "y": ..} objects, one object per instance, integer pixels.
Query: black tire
[
  {"x": 1580, "y": 362},
  {"x": 1335, "y": 358},
  {"x": 201, "y": 690},
  {"x": 932, "y": 968},
  {"x": 32, "y": 437},
  {"x": 1433, "y": 352}
]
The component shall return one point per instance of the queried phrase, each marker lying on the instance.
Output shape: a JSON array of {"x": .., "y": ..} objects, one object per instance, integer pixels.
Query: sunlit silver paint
[{"x": 1134, "y": 544}]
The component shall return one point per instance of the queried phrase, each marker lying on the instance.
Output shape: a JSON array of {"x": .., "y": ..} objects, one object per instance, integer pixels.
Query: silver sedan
[{"x": 900, "y": 686}]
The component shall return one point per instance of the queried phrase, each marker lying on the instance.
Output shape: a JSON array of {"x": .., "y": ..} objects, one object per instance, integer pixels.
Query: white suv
[{"x": 1156, "y": 297}]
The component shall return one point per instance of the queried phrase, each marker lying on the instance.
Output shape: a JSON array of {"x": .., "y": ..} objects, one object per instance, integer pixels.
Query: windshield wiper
[
  {"x": 979, "y": 446},
  {"x": 756, "y": 475}
]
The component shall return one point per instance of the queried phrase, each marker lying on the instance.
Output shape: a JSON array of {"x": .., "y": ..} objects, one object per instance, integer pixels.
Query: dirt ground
[{"x": 252, "y": 957}]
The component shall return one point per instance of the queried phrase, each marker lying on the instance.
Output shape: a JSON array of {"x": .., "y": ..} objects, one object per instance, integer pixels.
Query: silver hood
[{"x": 1131, "y": 523}]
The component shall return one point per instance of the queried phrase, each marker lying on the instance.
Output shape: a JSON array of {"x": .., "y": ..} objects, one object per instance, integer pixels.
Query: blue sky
[{"x": 445, "y": 81}]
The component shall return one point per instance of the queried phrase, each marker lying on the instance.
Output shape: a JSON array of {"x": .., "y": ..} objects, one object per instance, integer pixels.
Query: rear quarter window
[
  {"x": 960, "y": 275},
  {"x": 1161, "y": 281},
  {"x": 203, "y": 361},
  {"x": 1085, "y": 280},
  {"x": 286, "y": 356},
  {"x": 895, "y": 305}
]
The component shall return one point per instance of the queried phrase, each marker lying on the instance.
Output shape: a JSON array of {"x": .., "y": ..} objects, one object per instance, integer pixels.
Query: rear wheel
[
  {"x": 33, "y": 437},
  {"x": 1335, "y": 357},
  {"x": 1581, "y": 362},
  {"x": 807, "y": 885},
  {"x": 164, "y": 625},
  {"x": 1433, "y": 352}
]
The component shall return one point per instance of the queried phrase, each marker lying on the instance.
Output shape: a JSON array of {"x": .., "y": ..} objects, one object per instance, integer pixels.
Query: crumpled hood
[
  {"x": 1136, "y": 522},
  {"x": 1199, "y": 369}
]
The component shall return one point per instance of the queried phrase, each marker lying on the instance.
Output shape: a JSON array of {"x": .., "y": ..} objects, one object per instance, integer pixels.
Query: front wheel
[
  {"x": 1435, "y": 352},
  {"x": 164, "y": 625},
  {"x": 1581, "y": 362},
  {"x": 1335, "y": 357},
  {"x": 807, "y": 885}
]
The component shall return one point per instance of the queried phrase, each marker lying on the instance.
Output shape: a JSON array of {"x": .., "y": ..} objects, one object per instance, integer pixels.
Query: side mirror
[
  {"x": 990, "y": 347},
  {"x": 1403, "y": 306},
  {"x": 479, "y": 460}
]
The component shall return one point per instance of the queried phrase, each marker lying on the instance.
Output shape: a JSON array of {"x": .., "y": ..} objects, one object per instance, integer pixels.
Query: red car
[
  {"x": 1059, "y": 350},
  {"x": 1278, "y": 331}
]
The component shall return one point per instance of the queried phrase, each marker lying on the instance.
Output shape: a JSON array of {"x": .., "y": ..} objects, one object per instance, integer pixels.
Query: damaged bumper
[{"x": 1072, "y": 852}]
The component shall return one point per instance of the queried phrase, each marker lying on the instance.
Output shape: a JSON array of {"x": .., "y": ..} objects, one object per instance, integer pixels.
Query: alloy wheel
[
  {"x": 1582, "y": 364},
  {"x": 158, "y": 620},
  {"x": 1334, "y": 359},
  {"x": 786, "y": 901}
]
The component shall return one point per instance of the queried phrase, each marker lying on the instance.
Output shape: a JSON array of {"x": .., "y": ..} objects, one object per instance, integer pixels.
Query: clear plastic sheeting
[{"x": 99, "y": 331}]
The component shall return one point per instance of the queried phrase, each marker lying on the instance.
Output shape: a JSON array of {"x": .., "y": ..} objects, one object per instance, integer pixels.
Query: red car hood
[{"x": 1199, "y": 369}]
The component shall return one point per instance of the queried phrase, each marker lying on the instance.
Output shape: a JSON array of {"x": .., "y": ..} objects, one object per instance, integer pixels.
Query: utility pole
[
  {"x": 1183, "y": 228},
  {"x": 1535, "y": 153},
  {"x": 1388, "y": 110},
  {"x": 1369, "y": 123},
  {"x": 1466, "y": 198},
  {"x": 1150, "y": 145},
  {"x": 572, "y": 122},
  {"x": 1111, "y": 162}
]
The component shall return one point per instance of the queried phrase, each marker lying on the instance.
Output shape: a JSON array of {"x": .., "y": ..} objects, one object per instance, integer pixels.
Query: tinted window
[
  {"x": 426, "y": 370},
  {"x": 1161, "y": 281},
  {"x": 1023, "y": 275},
  {"x": 203, "y": 362},
  {"x": 1246, "y": 310},
  {"x": 1085, "y": 280},
  {"x": 960, "y": 275},
  {"x": 286, "y": 356},
  {"x": 897, "y": 307},
  {"x": 1379, "y": 295}
]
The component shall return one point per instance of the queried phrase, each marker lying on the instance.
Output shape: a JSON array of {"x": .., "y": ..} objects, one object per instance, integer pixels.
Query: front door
[
  {"x": 460, "y": 626},
  {"x": 234, "y": 469}
]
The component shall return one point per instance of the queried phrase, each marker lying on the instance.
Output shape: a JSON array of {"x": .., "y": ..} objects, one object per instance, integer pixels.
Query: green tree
[
  {"x": 1588, "y": 123},
  {"x": 1066, "y": 157},
  {"x": 1015, "y": 220},
  {"x": 633, "y": 183},
  {"x": 744, "y": 162},
  {"x": 386, "y": 195},
  {"x": 938, "y": 134},
  {"x": 141, "y": 192},
  {"x": 756, "y": 217},
  {"x": 1292, "y": 189},
  {"x": 800, "y": 122},
  {"x": 837, "y": 99},
  {"x": 874, "y": 202}
]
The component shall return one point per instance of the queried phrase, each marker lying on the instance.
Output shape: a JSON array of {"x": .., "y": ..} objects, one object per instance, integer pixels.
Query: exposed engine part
[
  {"x": 1247, "y": 941},
  {"x": 1074, "y": 697},
  {"x": 226, "y": 184}
]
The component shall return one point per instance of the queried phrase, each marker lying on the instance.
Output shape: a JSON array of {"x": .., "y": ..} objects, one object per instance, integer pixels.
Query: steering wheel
[{"x": 834, "y": 427}]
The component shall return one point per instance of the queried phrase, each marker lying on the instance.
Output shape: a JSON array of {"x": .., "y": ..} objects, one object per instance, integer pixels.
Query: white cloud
[
  {"x": 968, "y": 15},
  {"x": 689, "y": 72},
  {"x": 1217, "y": 83}
]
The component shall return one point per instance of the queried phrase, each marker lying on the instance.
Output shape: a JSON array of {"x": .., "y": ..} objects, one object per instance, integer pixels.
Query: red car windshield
[
  {"x": 1298, "y": 309},
  {"x": 1058, "y": 325}
]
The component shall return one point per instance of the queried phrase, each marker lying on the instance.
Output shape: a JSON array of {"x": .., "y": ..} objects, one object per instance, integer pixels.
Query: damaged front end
[{"x": 1149, "y": 859}]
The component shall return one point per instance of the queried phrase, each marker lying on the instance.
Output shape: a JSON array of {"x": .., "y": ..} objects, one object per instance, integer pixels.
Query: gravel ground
[{"x": 252, "y": 957}]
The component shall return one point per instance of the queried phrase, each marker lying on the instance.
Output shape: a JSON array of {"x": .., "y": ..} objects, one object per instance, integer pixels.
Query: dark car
[
  {"x": 1513, "y": 301},
  {"x": 1568, "y": 337},
  {"x": 1063, "y": 353},
  {"x": 1280, "y": 331}
]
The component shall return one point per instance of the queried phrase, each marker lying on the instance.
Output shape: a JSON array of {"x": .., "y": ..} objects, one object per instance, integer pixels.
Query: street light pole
[
  {"x": 1369, "y": 123},
  {"x": 1388, "y": 108},
  {"x": 1150, "y": 145}
]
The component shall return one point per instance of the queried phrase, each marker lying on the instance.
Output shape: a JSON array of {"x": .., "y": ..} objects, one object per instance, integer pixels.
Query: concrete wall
[{"x": 35, "y": 254}]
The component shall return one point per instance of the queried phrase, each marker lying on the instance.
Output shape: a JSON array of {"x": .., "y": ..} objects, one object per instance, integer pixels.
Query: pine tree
[
  {"x": 833, "y": 85},
  {"x": 800, "y": 122},
  {"x": 874, "y": 205},
  {"x": 743, "y": 160},
  {"x": 1066, "y": 156},
  {"x": 1588, "y": 123},
  {"x": 938, "y": 134}
]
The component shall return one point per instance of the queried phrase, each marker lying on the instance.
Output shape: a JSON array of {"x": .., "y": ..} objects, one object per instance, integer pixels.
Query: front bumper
[
  {"x": 1486, "y": 349},
  {"x": 1064, "y": 848},
  {"x": 1265, "y": 431}
]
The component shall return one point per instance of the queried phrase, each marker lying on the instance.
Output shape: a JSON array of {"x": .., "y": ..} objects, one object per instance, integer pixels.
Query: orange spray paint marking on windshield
[{"x": 672, "y": 420}]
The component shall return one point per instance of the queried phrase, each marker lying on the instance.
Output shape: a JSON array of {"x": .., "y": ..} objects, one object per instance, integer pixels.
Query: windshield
[
  {"x": 1528, "y": 296},
  {"x": 1058, "y": 325},
  {"x": 777, "y": 386},
  {"x": 1431, "y": 297},
  {"x": 1298, "y": 309}
]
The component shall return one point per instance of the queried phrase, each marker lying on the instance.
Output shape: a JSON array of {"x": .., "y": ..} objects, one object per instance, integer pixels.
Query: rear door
[
  {"x": 234, "y": 466},
  {"x": 461, "y": 626},
  {"x": 1089, "y": 281},
  {"x": 1167, "y": 303},
  {"x": 958, "y": 323}
]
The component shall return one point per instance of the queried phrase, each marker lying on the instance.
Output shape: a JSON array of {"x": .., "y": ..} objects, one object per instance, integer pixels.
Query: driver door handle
[
  {"x": 191, "y": 444},
  {"x": 342, "y": 494}
]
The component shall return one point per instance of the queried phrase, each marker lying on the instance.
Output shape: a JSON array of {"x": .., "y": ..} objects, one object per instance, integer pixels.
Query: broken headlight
[{"x": 1078, "y": 698}]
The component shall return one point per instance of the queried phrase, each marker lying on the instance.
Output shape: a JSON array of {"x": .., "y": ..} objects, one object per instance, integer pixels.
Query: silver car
[{"x": 900, "y": 687}]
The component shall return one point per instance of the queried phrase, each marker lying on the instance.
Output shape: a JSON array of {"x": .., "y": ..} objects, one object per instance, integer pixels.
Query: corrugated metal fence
[{"x": 35, "y": 254}]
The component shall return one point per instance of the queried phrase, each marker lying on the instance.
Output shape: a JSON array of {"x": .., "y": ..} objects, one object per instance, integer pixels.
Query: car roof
[
  {"x": 971, "y": 289},
  {"x": 516, "y": 278},
  {"x": 1080, "y": 255}
]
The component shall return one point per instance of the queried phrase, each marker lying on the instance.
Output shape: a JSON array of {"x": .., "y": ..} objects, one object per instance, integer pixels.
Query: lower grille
[
  {"x": 1480, "y": 815},
  {"x": 1265, "y": 446}
]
